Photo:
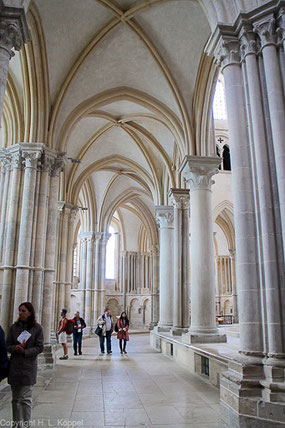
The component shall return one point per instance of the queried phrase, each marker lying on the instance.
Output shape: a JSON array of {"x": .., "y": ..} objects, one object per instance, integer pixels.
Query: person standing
[
  {"x": 3, "y": 356},
  {"x": 106, "y": 323},
  {"x": 62, "y": 337},
  {"x": 24, "y": 341},
  {"x": 123, "y": 331},
  {"x": 79, "y": 325}
]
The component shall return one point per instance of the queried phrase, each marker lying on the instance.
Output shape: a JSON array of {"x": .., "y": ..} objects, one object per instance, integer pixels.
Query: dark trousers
[
  {"x": 77, "y": 340},
  {"x": 108, "y": 339},
  {"x": 124, "y": 347}
]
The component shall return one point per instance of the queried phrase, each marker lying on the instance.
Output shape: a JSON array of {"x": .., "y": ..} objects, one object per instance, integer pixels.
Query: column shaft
[
  {"x": 10, "y": 244},
  {"x": 26, "y": 226},
  {"x": 164, "y": 217},
  {"x": 246, "y": 247}
]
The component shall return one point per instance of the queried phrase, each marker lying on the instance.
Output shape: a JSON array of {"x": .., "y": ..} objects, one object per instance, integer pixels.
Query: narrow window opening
[
  {"x": 226, "y": 158},
  {"x": 205, "y": 366}
]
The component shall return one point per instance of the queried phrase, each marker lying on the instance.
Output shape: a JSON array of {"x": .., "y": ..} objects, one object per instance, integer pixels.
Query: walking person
[
  {"x": 105, "y": 321},
  {"x": 3, "y": 356},
  {"x": 24, "y": 341},
  {"x": 62, "y": 337},
  {"x": 79, "y": 325},
  {"x": 123, "y": 331}
]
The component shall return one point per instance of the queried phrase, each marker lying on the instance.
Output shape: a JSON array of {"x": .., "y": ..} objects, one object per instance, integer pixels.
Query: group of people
[
  {"x": 106, "y": 325},
  {"x": 25, "y": 341}
]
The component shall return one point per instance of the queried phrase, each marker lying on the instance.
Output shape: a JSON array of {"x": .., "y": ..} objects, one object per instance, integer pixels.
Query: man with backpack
[{"x": 62, "y": 338}]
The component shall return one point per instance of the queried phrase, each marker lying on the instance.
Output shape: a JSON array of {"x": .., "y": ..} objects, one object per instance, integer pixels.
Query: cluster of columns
[
  {"x": 176, "y": 255},
  {"x": 29, "y": 184},
  {"x": 64, "y": 260},
  {"x": 251, "y": 54},
  {"x": 92, "y": 275},
  {"x": 140, "y": 275}
]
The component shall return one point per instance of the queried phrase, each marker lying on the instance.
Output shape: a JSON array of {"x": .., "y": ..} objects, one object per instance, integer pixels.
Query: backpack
[{"x": 69, "y": 327}]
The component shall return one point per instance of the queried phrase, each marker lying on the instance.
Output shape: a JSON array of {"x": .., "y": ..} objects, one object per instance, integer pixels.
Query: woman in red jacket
[{"x": 123, "y": 334}]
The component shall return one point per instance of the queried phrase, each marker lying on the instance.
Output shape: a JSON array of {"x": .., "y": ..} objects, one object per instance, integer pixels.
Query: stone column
[
  {"x": 31, "y": 154},
  {"x": 266, "y": 30},
  {"x": 69, "y": 256},
  {"x": 10, "y": 243},
  {"x": 101, "y": 239},
  {"x": 244, "y": 208},
  {"x": 40, "y": 238},
  {"x": 198, "y": 172},
  {"x": 164, "y": 217},
  {"x": 14, "y": 32},
  {"x": 234, "y": 292},
  {"x": 64, "y": 213},
  {"x": 50, "y": 253},
  {"x": 96, "y": 313},
  {"x": 180, "y": 199},
  {"x": 124, "y": 278},
  {"x": 5, "y": 169},
  {"x": 83, "y": 259},
  {"x": 155, "y": 286},
  {"x": 89, "y": 277},
  {"x": 103, "y": 245}
]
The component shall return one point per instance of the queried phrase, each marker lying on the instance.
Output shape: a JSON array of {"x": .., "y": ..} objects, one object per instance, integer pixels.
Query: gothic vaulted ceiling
[{"x": 121, "y": 86}]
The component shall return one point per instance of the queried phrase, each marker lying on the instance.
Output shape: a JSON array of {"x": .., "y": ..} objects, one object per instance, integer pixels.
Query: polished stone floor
[{"x": 143, "y": 388}]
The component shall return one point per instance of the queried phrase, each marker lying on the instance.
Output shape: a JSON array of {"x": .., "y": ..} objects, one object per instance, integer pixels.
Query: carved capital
[
  {"x": 105, "y": 237},
  {"x": 232, "y": 252},
  {"x": 180, "y": 198},
  {"x": 58, "y": 165},
  {"x": 280, "y": 30},
  {"x": 98, "y": 236},
  {"x": 164, "y": 216},
  {"x": 47, "y": 164},
  {"x": 199, "y": 170},
  {"x": 5, "y": 159},
  {"x": 154, "y": 250},
  {"x": 16, "y": 160},
  {"x": 10, "y": 36},
  {"x": 31, "y": 158},
  {"x": 249, "y": 43},
  {"x": 266, "y": 31},
  {"x": 228, "y": 51}
]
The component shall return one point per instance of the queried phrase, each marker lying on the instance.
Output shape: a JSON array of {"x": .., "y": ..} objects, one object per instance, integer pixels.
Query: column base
[
  {"x": 162, "y": 328},
  {"x": 152, "y": 325},
  {"x": 192, "y": 338},
  {"x": 178, "y": 331},
  {"x": 46, "y": 360},
  {"x": 252, "y": 396},
  {"x": 53, "y": 338}
]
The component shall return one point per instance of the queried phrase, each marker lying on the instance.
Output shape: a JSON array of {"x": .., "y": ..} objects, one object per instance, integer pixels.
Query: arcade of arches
[{"x": 107, "y": 121}]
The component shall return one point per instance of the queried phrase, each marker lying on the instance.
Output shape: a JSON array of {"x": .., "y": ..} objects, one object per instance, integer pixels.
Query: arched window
[{"x": 110, "y": 255}]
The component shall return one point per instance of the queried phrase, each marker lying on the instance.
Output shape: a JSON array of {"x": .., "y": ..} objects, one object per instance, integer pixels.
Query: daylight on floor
[{"x": 142, "y": 213}]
